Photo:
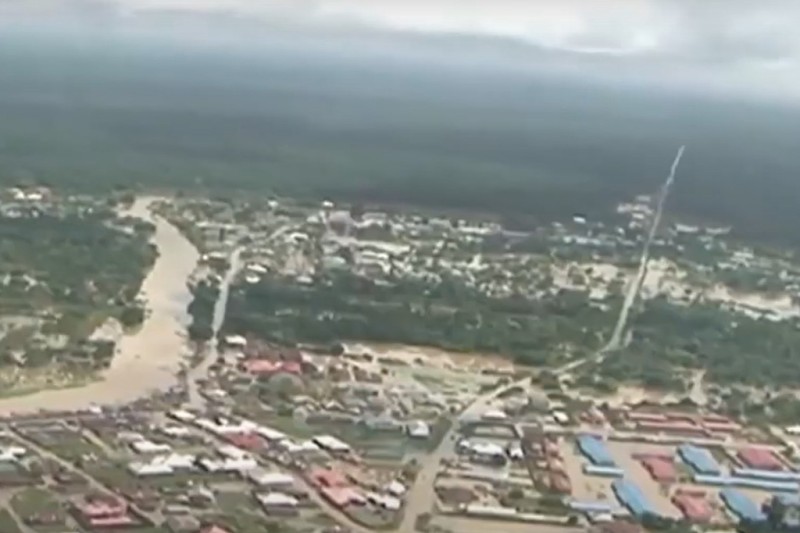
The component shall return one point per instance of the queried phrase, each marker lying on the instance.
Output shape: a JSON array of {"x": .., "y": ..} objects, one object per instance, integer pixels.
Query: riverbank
[{"x": 148, "y": 360}]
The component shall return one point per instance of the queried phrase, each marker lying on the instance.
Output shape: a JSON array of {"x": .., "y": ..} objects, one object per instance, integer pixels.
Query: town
[{"x": 339, "y": 368}]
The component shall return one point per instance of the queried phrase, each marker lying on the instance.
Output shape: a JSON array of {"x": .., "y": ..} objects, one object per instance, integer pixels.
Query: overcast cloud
[{"x": 749, "y": 43}]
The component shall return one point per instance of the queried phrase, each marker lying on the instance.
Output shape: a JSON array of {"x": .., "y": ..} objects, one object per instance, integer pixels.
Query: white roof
[
  {"x": 232, "y": 452},
  {"x": 146, "y": 446},
  {"x": 495, "y": 414},
  {"x": 175, "y": 431},
  {"x": 387, "y": 502},
  {"x": 396, "y": 488},
  {"x": 261, "y": 477},
  {"x": 183, "y": 416},
  {"x": 228, "y": 465},
  {"x": 298, "y": 447},
  {"x": 277, "y": 499},
  {"x": 149, "y": 469},
  {"x": 235, "y": 340},
  {"x": 269, "y": 433},
  {"x": 331, "y": 443},
  {"x": 419, "y": 429},
  {"x": 486, "y": 448}
]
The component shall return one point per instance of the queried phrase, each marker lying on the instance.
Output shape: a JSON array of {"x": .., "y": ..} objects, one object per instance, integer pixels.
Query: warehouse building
[
  {"x": 741, "y": 506},
  {"x": 631, "y": 496},
  {"x": 699, "y": 459},
  {"x": 595, "y": 450},
  {"x": 694, "y": 505},
  {"x": 760, "y": 459}
]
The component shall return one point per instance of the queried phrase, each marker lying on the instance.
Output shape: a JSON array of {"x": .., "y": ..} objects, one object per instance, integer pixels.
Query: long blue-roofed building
[
  {"x": 699, "y": 459},
  {"x": 595, "y": 450},
  {"x": 743, "y": 507},
  {"x": 632, "y": 498}
]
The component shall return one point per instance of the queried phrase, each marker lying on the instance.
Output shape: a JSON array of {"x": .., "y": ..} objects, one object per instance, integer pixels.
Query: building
[
  {"x": 595, "y": 450},
  {"x": 331, "y": 444},
  {"x": 342, "y": 497},
  {"x": 418, "y": 430},
  {"x": 270, "y": 480},
  {"x": 98, "y": 512},
  {"x": 324, "y": 477}
]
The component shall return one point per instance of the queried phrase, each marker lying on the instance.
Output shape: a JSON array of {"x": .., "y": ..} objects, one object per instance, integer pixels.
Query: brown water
[{"x": 149, "y": 359}]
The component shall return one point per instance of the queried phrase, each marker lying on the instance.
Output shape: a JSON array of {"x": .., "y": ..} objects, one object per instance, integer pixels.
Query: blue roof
[
  {"x": 749, "y": 482},
  {"x": 742, "y": 506},
  {"x": 632, "y": 497},
  {"x": 699, "y": 459},
  {"x": 595, "y": 450},
  {"x": 771, "y": 475}
]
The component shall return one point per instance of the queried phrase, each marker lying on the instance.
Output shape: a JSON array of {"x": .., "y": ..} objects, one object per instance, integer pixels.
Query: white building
[
  {"x": 272, "y": 480},
  {"x": 331, "y": 444},
  {"x": 147, "y": 446},
  {"x": 277, "y": 499},
  {"x": 12, "y": 453},
  {"x": 418, "y": 430}
]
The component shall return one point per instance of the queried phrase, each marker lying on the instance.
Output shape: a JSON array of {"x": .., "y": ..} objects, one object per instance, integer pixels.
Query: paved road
[
  {"x": 421, "y": 496},
  {"x": 200, "y": 371}
]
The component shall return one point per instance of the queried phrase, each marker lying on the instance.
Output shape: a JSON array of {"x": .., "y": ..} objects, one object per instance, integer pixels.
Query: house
[
  {"x": 248, "y": 441},
  {"x": 324, "y": 477},
  {"x": 343, "y": 496},
  {"x": 418, "y": 430},
  {"x": 267, "y": 367},
  {"x": 272, "y": 480},
  {"x": 384, "y": 501},
  {"x": 277, "y": 500},
  {"x": 103, "y": 512},
  {"x": 176, "y": 432},
  {"x": 12, "y": 453},
  {"x": 227, "y": 465},
  {"x": 331, "y": 444},
  {"x": 395, "y": 488},
  {"x": 146, "y": 446}
]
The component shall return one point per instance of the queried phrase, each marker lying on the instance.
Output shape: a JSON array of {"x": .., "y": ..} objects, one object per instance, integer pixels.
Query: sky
[{"x": 742, "y": 46}]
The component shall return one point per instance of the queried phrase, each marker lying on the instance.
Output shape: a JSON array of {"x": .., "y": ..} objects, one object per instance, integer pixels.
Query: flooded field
[{"x": 147, "y": 360}]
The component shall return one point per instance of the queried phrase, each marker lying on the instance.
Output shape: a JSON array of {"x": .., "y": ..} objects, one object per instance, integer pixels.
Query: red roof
[
  {"x": 246, "y": 441},
  {"x": 693, "y": 508},
  {"x": 99, "y": 507},
  {"x": 324, "y": 477},
  {"x": 662, "y": 470},
  {"x": 759, "y": 458},
  {"x": 343, "y": 496},
  {"x": 267, "y": 366}
]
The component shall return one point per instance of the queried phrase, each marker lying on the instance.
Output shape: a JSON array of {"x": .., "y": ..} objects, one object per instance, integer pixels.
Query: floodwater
[{"x": 149, "y": 359}]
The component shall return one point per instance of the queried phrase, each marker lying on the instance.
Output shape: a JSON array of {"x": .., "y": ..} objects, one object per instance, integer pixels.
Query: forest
[{"x": 527, "y": 146}]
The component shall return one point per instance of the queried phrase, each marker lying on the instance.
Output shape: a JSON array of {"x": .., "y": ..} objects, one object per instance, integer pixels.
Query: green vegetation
[
  {"x": 448, "y": 315},
  {"x": 7, "y": 522},
  {"x": 527, "y": 146},
  {"x": 62, "y": 274},
  {"x": 730, "y": 347},
  {"x": 201, "y": 309}
]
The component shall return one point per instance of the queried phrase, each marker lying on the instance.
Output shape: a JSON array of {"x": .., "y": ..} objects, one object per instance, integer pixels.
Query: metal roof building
[
  {"x": 758, "y": 458},
  {"x": 743, "y": 507},
  {"x": 632, "y": 498},
  {"x": 700, "y": 459},
  {"x": 595, "y": 450}
]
